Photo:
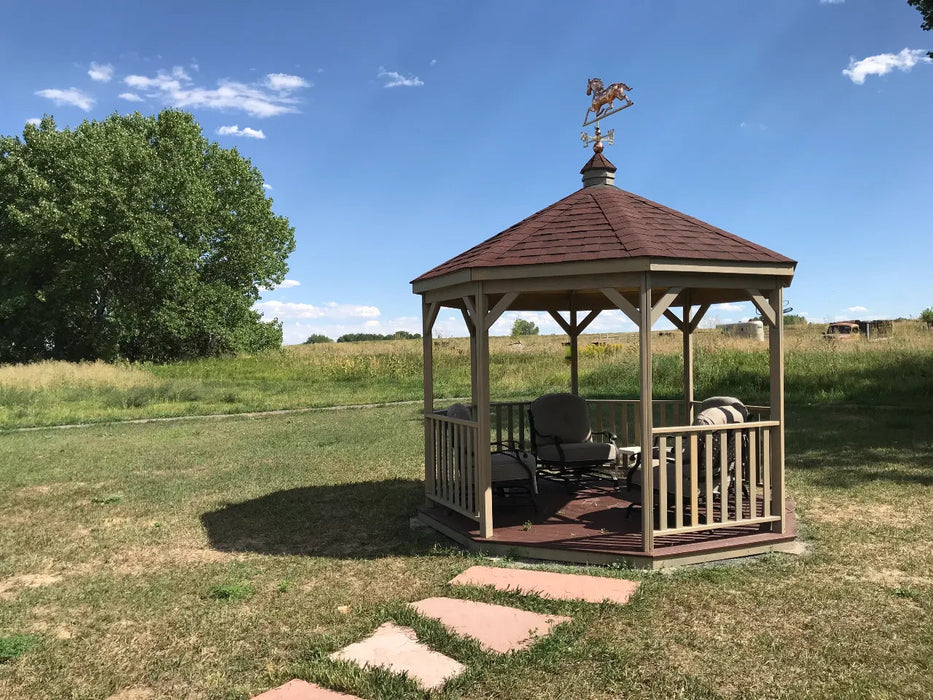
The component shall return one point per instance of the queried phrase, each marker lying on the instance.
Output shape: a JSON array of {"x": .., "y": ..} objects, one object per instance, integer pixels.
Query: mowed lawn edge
[{"x": 213, "y": 559}]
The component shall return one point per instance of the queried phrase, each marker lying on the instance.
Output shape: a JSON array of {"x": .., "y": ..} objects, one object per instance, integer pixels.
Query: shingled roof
[{"x": 602, "y": 222}]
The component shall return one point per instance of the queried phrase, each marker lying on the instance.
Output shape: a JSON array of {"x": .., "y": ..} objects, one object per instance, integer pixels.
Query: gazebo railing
[
  {"x": 450, "y": 463},
  {"x": 715, "y": 477}
]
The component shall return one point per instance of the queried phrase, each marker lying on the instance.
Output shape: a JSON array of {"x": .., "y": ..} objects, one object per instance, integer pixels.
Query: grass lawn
[{"x": 211, "y": 559}]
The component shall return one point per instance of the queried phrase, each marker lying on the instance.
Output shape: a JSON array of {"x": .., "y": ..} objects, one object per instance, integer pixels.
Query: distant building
[{"x": 755, "y": 330}]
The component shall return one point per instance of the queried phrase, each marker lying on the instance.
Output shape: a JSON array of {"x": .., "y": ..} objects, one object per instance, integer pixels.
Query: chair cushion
[
  {"x": 719, "y": 415},
  {"x": 514, "y": 465},
  {"x": 459, "y": 411},
  {"x": 636, "y": 477},
  {"x": 718, "y": 401},
  {"x": 579, "y": 453},
  {"x": 564, "y": 416}
]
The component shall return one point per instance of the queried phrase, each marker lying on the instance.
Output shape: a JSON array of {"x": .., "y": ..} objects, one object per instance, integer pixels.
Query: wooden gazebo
[{"x": 604, "y": 248}]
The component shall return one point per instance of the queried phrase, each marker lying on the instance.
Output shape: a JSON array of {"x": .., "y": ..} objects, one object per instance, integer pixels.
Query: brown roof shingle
[{"x": 604, "y": 223}]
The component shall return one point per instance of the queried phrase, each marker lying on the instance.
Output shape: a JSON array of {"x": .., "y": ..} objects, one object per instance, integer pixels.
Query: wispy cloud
[
  {"x": 72, "y": 96},
  {"x": 130, "y": 97},
  {"x": 288, "y": 284},
  {"x": 271, "y": 96},
  {"x": 35, "y": 121},
  {"x": 831, "y": 2},
  {"x": 282, "y": 82},
  {"x": 754, "y": 126},
  {"x": 291, "y": 310},
  {"x": 433, "y": 62},
  {"x": 884, "y": 63},
  {"x": 101, "y": 72},
  {"x": 266, "y": 186},
  {"x": 237, "y": 131},
  {"x": 394, "y": 79},
  {"x": 856, "y": 308}
]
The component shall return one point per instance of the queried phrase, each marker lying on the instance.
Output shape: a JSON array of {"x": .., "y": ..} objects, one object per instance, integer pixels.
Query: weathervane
[{"x": 603, "y": 99}]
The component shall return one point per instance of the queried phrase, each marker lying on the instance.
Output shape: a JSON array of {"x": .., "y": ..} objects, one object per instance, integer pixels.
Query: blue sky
[{"x": 395, "y": 135}]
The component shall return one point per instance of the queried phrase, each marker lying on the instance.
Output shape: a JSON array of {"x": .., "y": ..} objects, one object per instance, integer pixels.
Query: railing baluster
[
  {"x": 647, "y": 460},
  {"x": 708, "y": 466},
  {"x": 723, "y": 441},
  {"x": 752, "y": 474},
  {"x": 694, "y": 481},
  {"x": 739, "y": 476},
  {"x": 678, "y": 479},
  {"x": 766, "y": 471}
]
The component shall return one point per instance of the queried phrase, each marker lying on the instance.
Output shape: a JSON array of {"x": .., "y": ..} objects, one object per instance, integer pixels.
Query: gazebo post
[
  {"x": 647, "y": 414},
  {"x": 688, "y": 359},
  {"x": 574, "y": 361},
  {"x": 428, "y": 316},
  {"x": 776, "y": 364},
  {"x": 481, "y": 323}
]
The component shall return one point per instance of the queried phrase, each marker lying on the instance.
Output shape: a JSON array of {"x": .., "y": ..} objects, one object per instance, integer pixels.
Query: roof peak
[{"x": 598, "y": 171}]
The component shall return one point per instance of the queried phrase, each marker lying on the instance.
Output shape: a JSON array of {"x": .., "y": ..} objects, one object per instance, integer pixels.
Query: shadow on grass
[
  {"x": 356, "y": 520},
  {"x": 844, "y": 446}
]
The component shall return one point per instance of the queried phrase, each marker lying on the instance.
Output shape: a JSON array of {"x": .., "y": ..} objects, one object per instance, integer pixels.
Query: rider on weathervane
[{"x": 603, "y": 99}]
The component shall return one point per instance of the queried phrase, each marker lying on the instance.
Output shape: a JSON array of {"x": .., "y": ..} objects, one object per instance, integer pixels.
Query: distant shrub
[
  {"x": 523, "y": 327},
  {"x": 318, "y": 338}
]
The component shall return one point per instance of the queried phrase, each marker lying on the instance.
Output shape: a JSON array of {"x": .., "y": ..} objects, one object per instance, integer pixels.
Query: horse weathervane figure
[{"x": 602, "y": 106}]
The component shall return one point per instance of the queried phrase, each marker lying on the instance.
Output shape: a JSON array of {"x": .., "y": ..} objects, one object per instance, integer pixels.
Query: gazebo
[{"x": 597, "y": 249}]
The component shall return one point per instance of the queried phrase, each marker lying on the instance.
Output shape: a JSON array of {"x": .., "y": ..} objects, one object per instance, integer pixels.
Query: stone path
[
  {"x": 593, "y": 589},
  {"x": 497, "y": 628}
]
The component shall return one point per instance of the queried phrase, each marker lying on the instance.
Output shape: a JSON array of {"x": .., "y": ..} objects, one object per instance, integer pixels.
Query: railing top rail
[
  {"x": 447, "y": 419},
  {"x": 681, "y": 429}
]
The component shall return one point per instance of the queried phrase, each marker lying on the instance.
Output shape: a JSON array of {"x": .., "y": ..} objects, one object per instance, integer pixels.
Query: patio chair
[
  {"x": 563, "y": 442},
  {"x": 512, "y": 468},
  {"x": 717, "y": 410}
]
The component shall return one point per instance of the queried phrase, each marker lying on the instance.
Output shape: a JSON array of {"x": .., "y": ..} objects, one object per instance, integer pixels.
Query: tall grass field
[
  {"x": 375, "y": 372},
  {"x": 221, "y": 558}
]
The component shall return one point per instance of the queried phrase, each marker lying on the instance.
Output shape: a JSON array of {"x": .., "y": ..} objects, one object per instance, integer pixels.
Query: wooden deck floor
[{"x": 593, "y": 525}]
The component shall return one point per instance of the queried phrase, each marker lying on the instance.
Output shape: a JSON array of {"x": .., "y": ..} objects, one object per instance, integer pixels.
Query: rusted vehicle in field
[
  {"x": 843, "y": 330},
  {"x": 853, "y": 330}
]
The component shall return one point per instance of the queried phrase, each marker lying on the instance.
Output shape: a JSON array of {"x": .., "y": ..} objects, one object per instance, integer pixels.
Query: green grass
[
  {"x": 353, "y": 373},
  {"x": 241, "y": 553}
]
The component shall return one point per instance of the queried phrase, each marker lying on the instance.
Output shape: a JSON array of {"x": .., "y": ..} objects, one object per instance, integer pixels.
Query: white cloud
[
  {"x": 884, "y": 63},
  {"x": 332, "y": 310},
  {"x": 35, "y": 121},
  {"x": 130, "y": 97},
  {"x": 237, "y": 131},
  {"x": 856, "y": 308},
  {"x": 831, "y": 2},
  {"x": 283, "y": 82},
  {"x": 71, "y": 96},
  {"x": 394, "y": 79},
  {"x": 101, "y": 72},
  {"x": 433, "y": 62},
  {"x": 757, "y": 126},
  {"x": 266, "y": 186},
  {"x": 728, "y": 307},
  {"x": 288, "y": 284},
  {"x": 267, "y": 98}
]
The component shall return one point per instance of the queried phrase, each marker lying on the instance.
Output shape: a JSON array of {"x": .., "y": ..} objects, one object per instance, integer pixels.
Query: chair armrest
[
  {"x": 505, "y": 446},
  {"x": 610, "y": 437}
]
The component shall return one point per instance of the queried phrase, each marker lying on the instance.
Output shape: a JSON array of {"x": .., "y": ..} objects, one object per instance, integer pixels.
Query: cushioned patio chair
[
  {"x": 717, "y": 410},
  {"x": 512, "y": 468},
  {"x": 563, "y": 442}
]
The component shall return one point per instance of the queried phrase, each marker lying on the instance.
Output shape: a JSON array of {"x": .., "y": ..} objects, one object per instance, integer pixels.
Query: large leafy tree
[{"x": 133, "y": 237}]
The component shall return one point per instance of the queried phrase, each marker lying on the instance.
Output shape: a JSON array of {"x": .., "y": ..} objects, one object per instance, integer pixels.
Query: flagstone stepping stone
[
  {"x": 592, "y": 589},
  {"x": 497, "y": 628},
  {"x": 398, "y": 650},
  {"x": 301, "y": 690}
]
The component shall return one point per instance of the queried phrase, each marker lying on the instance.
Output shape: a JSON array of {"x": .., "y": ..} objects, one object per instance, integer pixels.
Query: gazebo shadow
[{"x": 359, "y": 520}]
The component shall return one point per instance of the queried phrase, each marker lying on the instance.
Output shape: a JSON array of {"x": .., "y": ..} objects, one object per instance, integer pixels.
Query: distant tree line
[{"x": 359, "y": 337}]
